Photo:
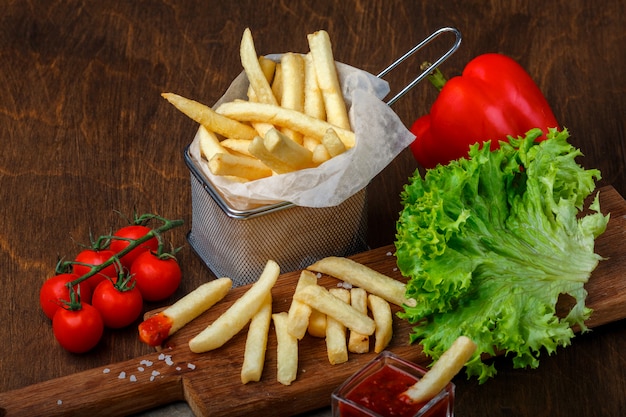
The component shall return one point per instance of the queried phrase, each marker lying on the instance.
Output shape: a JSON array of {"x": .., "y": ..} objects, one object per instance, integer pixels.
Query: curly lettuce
[{"x": 489, "y": 243}]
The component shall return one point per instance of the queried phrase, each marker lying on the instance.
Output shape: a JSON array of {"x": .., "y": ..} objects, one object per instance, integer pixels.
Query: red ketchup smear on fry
[
  {"x": 154, "y": 330},
  {"x": 381, "y": 392}
]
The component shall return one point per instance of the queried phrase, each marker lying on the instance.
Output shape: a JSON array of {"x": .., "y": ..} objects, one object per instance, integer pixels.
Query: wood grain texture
[
  {"x": 85, "y": 132},
  {"x": 210, "y": 382}
]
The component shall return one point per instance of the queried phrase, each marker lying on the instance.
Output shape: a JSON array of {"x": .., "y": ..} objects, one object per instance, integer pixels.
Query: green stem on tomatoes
[
  {"x": 435, "y": 77},
  {"x": 167, "y": 225}
]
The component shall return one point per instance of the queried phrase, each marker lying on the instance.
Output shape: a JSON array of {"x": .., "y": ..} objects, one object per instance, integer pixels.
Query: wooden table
[{"x": 85, "y": 133}]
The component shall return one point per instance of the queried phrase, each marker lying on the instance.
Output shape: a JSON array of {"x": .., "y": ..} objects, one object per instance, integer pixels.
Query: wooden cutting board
[{"x": 210, "y": 382}]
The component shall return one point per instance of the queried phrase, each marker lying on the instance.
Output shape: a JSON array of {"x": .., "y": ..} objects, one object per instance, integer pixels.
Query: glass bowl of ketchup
[{"x": 376, "y": 390}]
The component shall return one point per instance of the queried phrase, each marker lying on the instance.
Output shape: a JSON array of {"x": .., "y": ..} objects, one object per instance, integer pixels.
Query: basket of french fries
[{"x": 280, "y": 164}]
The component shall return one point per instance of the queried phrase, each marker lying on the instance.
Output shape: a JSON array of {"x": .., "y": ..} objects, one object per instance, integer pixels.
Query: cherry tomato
[
  {"x": 54, "y": 292},
  {"x": 95, "y": 257},
  {"x": 157, "y": 277},
  {"x": 118, "y": 307},
  {"x": 78, "y": 330},
  {"x": 132, "y": 232}
]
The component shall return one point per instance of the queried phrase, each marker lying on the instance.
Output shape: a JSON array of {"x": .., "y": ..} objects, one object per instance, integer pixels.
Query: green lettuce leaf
[{"x": 490, "y": 243}]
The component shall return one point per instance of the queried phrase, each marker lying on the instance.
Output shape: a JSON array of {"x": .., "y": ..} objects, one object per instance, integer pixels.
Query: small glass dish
[{"x": 374, "y": 391}]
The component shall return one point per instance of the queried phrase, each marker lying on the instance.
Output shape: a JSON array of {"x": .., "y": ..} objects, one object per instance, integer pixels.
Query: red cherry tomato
[
  {"x": 132, "y": 232},
  {"x": 79, "y": 330},
  {"x": 156, "y": 277},
  {"x": 118, "y": 307},
  {"x": 54, "y": 292},
  {"x": 95, "y": 257}
]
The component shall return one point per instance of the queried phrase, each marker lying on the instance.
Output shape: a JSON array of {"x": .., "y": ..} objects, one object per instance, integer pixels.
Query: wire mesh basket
[{"x": 237, "y": 243}]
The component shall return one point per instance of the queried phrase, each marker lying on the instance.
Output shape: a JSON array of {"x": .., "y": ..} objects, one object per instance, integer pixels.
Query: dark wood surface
[{"x": 84, "y": 133}]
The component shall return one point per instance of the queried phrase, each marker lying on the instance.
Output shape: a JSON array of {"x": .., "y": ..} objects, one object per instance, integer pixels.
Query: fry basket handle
[{"x": 416, "y": 48}]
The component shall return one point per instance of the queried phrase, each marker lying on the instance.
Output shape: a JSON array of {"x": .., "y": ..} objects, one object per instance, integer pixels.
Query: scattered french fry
[
  {"x": 238, "y": 314},
  {"x": 299, "y": 312},
  {"x": 336, "y": 347},
  {"x": 157, "y": 328},
  {"x": 317, "y": 324},
  {"x": 381, "y": 311},
  {"x": 286, "y": 350},
  {"x": 327, "y": 79},
  {"x": 320, "y": 299},
  {"x": 246, "y": 111},
  {"x": 445, "y": 368},
  {"x": 364, "y": 277},
  {"x": 357, "y": 342},
  {"x": 256, "y": 343},
  {"x": 212, "y": 121},
  {"x": 250, "y": 63},
  {"x": 238, "y": 166}
]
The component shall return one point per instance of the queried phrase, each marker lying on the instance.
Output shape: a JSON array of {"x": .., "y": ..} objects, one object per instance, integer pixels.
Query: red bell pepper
[{"x": 493, "y": 98}]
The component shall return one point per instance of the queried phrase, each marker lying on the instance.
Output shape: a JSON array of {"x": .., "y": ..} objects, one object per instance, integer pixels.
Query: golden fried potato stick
[
  {"x": 258, "y": 150},
  {"x": 256, "y": 343},
  {"x": 246, "y": 111},
  {"x": 327, "y": 79},
  {"x": 209, "y": 143},
  {"x": 313, "y": 99},
  {"x": 154, "y": 330},
  {"x": 238, "y": 314},
  {"x": 317, "y": 324},
  {"x": 292, "y": 66},
  {"x": 236, "y": 146},
  {"x": 336, "y": 347},
  {"x": 381, "y": 311},
  {"x": 286, "y": 350},
  {"x": 289, "y": 152},
  {"x": 364, "y": 277},
  {"x": 252, "y": 68},
  {"x": 320, "y": 154},
  {"x": 212, "y": 121},
  {"x": 299, "y": 312},
  {"x": 268, "y": 67},
  {"x": 332, "y": 143},
  {"x": 357, "y": 342},
  {"x": 277, "y": 83},
  {"x": 447, "y": 366},
  {"x": 238, "y": 166},
  {"x": 320, "y": 299}
]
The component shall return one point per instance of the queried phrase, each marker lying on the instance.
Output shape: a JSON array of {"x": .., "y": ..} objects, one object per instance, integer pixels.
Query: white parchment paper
[{"x": 380, "y": 137}]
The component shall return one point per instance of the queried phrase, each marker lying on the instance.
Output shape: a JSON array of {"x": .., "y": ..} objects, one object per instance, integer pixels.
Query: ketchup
[
  {"x": 380, "y": 393},
  {"x": 155, "y": 330}
]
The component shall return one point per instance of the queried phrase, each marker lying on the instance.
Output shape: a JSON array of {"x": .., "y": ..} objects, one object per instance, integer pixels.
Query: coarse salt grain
[
  {"x": 106, "y": 370},
  {"x": 178, "y": 368},
  {"x": 122, "y": 375},
  {"x": 133, "y": 378},
  {"x": 59, "y": 402},
  {"x": 389, "y": 253},
  {"x": 191, "y": 366},
  {"x": 140, "y": 368}
]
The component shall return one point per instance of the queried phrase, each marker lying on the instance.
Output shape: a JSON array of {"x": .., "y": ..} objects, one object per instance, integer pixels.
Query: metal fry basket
[{"x": 237, "y": 243}]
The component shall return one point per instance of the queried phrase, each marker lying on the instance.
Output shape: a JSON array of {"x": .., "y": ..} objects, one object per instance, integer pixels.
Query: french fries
[
  {"x": 381, "y": 311},
  {"x": 336, "y": 347},
  {"x": 256, "y": 343},
  {"x": 320, "y": 299},
  {"x": 327, "y": 78},
  {"x": 357, "y": 342},
  {"x": 300, "y": 96},
  {"x": 208, "y": 118},
  {"x": 317, "y": 324},
  {"x": 157, "y": 328},
  {"x": 364, "y": 277},
  {"x": 238, "y": 314},
  {"x": 238, "y": 166},
  {"x": 286, "y": 350},
  {"x": 299, "y": 312},
  {"x": 447, "y": 366}
]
